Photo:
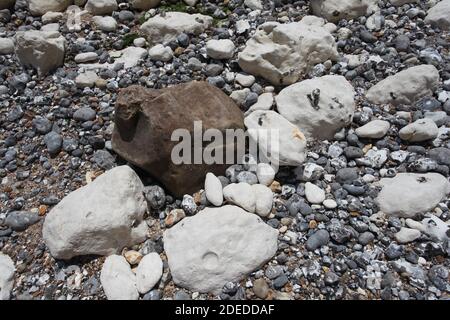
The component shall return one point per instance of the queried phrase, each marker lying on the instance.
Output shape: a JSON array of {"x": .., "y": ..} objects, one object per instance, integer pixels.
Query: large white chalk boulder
[
  {"x": 42, "y": 50},
  {"x": 279, "y": 140},
  {"x": 165, "y": 28},
  {"x": 408, "y": 194},
  {"x": 284, "y": 53},
  {"x": 336, "y": 10},
  {"x": 216, "y": 246},
  {"x": 319, "y": 107},
  {"x": 405, "y": 87},
  {"x": 100, "y": 218}
]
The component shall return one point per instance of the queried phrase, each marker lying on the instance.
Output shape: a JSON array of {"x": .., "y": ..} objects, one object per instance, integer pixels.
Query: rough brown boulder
[{"x": 144, "y": 122}]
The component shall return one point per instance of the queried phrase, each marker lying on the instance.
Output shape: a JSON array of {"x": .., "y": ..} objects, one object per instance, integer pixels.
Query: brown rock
[
  {"x": 260, "y": 288},
  {"x": 146, "y": 118}
]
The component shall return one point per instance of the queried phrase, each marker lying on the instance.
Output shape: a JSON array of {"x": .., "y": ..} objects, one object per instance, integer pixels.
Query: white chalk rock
[
  {"x": 101, "y": 7},
  {"x": 375, "y": 129},
  {"x": 220, "y": 49},
  {"x": 406, "y": 235},
  {"x": 40, "y": 7},
  {"x": 278, "y": 139},
  {"x": 405, "y": 87},
  {"x": 213, "y": 189},
  {"x": 240, "y": 194},
  {"x": 117, "y": 279},
  {"x": 408, "y": 194},
  {"x": 165, "y": 28},
  {"x": 6, "y": 46},
  {"x": 160, "y": 53},
  {"x": 100, "y": 218},
  {"x": 148, "y": 272},
  {"x": 439, "y": 15},
  {"x": 263, "y": 199},
  {"x": 265, "y": 173},
  {"x": 336, "y": 10},
  {"x": 314, "y": 194},
  {"x": 319, "y": 107},
  {"x": 42, "y": 50},
  {"x": 420, "y": 130},
  {"x": 6, "y": 276},
  {"x": 107, "y": 24},
  {"x": 216, "y": 246},
  {"x": 284, "y": 53},
  {"x": 437, "y": 229}
]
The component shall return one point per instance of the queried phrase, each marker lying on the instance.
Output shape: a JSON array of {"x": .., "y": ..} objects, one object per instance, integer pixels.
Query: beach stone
[
  {"x": 213, "y": 189},
  {"x": 420, "y": 130},
  {"x": 147, "y": 118},
  {"x": 40, "y": 7},
  {"x": 148, "y": 272},
  {"x": 439, "y": 15},
  {"x": 375, "y": 129},
  {"x": 166, "y": 28},
  {"x": 405, "y": 87},
  {"x": 284, "y": 53},
  {"x": 334, "y": 11},
  {"x": 110, "y": 210},
  {"x": 101, "y": 7},
  {"x": 408, "y": 194},
  {"x": 406, "y": 235},
  {"x": 218, "y": 254},
  {"x": 240, "y": 194},
  {"x": 117, "y": 279},
  {"x": 292, "y": 142},
  {"x": 319, "y": 107},
  {"x": 7, "y": 270},
  {"x": 42, "y": 50}
]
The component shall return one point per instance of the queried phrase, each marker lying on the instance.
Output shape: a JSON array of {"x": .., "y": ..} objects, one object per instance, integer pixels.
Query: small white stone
[
  {"x": 420, "y": 130},
  {"x": 330, "y": 204},
  {"x": 254, "y": 4},
  {"x": 375, "y": 129},
  {"x": 213, "y": 189},
  {"x": 117, "y": 279},
  {"x": 6, "y": 46},
  {"x": 50, "y": 17},
  {"x": 220, "y": 49},
  {"x": 86, "y": 57},
  {"x": 242, "y": 26},
  {"x": 265, "y": 102},
  {"x": 107, "y": 24},
  {"x": 139, "y": 42},
  {"x": 245, "y": 80},
  {"x": 406, "y": 235},
  {"x": 264, "y": 199},
  {"x": 240, "y": 194},
  {"x": 86, "y": 79},
  {"x": 265, "y": 173},
  {"x": 101, "y": 7},
  {"x": 148, "y": 272},
  {"x": 160, "y": 53},
  {"x": 314, "y": 194}
]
